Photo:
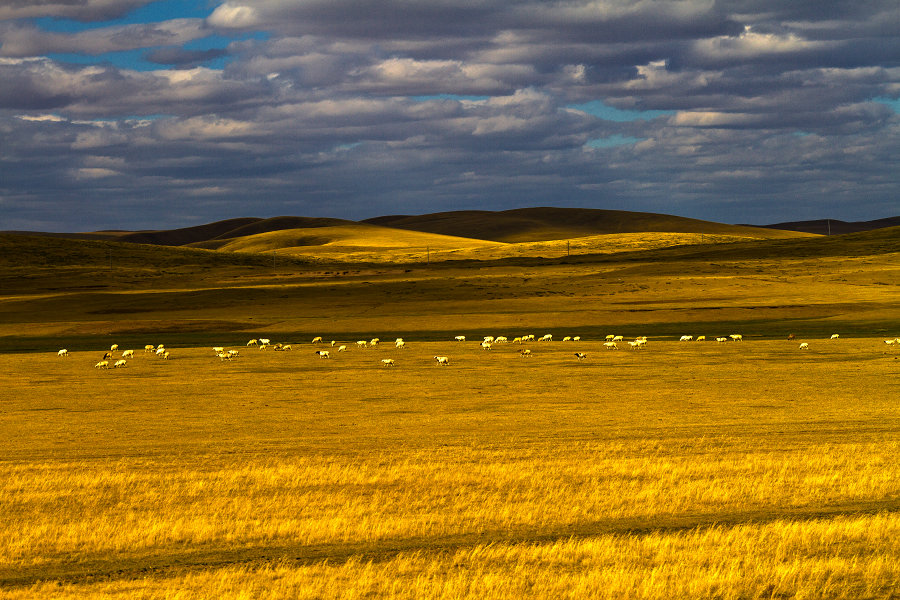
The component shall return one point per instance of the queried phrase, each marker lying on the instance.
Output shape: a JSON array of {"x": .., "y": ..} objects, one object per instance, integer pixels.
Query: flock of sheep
[{"x": 487, "y": 343}]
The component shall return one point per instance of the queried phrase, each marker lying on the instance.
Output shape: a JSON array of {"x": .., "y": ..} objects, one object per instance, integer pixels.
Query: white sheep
[
  {"x": 165, "y": 355},
  {"x": 232, "y": 353},
  {"x": 501, "y": 339},
  {"x": 264, "y": 341},
  {"x": 721, "y": 339},
  {"x": 341, "y": 348},
  {"x": 149, "y": 348},
  {"x": 316, "y": 340},
  {"x": 610, "y": 337},
  {"x": 890, "y": 342},
  {"x": 577, "y": 338},
  {"x": 580, "y": 355},
  {"x": 835, "y": 336},
  {"x": 737, "y": 337},
  {"x": 610, "y": 345},
  {"x": 322, "y": 353},
  {"x": 374, "y": 341},
  {"x": 114, "y": 347},
  {"x": 686, "y": 338},
  {"x": 63, "y": 352},
  {"x": 362, "y": 344},
  {"x": 160, "y": 347},
  {"x": 804, "y": 346},
  {"x": 400, "y": 344},
  {"x": 618, "y": 338},
  {"x": 159, "y": 351},
  {"x": 287, "y": 347},
  {"x": 517, "y": 340},
  {"x": 442, "y": 360},
  {"x": 547, "y": 337},
  {"x": 119, "y": 363},
  {"x": 568, "y": 338},
  {"x": 387, "y": 362},
  {"x": 636, "y": 344},
  {"x": 525, "y": 352},
  {"x": 489, "y": 339},
  {"x": 486, "y": 345},
  {"x": 128, "y": 354},
  {"x": 218, "y": 349},
  {"x": 253, "y": 342},
  {"x": 460, "y": 338},
  {"x": 103, "y": 364},
  {"x": 701, "y": 338}
]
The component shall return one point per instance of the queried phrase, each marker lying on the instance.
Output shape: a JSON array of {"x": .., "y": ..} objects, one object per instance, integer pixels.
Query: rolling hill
[
  {"x": 834, "y": 226},
  {"x": 545, "y": 223}
]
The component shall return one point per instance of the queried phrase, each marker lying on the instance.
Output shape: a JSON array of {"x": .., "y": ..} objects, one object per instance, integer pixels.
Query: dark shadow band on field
[
  {"x": 199, "y": 334},
  {"x": 175, "y": 563}
]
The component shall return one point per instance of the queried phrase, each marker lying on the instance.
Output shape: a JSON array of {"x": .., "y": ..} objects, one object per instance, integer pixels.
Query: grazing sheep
[
  {"x": 804, "y": 346},
  {"x": 160, "y": 351},
  {"x": 686, "y": 338},
  {"x": 618, "y": 338},
  {"x": 610, "y": 337},
  {"x": 232, "y": 353},
  {"x": 253, "y": 342},
  {"x": 791, "y": 336},
  {"x": 442, "y": 360},
  {"x": 103, "y": 364},
  {"x": 577, "y": 338},
  {"x": 128, "y": 354},
  {"x": 264, "y": 341},
  {"x": 316, "y": 340},
  {"x": 387, "y": 362},
  {"x": 610, "y": 345},
  {"x": 501, "y": 339},
  {"x": 107, "y": 355},
  {"x": 119, "y": 363},
  {"x": 721, "y": 339},
  {"x": 149, "y": 348},
  {"x": 517, "y": 340},
  {"x": 547, "y": 337},
  {"x": 580, "y": 355},
  {"x": 890, "y": 342},
  {"x": 737, "y": 337},
  {"x": 525, "y": 352},
  {"x": 701, "y": 338},
  {"x": 165, "y": 355},
  {"x": 333, "y": 343},
  {"x": 835, "y": 336},
  {"x": 374, "y": 341},
  {"x": 528, "y": 338},
  {"x": 225, "y": 356},
  {"x": 218, "y": 349},
  {"x": 322, "y": 353},
  {"x": 114, "y": 347},
  {"x": 287, "y": 347},
  {"x": 568, "y": 338},
  {"x": 341, "y": 348},
  {"x": 362, "y": 344},
  {"x": 486, "y": 345},
  {"x": 637, "y": 344},
  {"x": 63, "y": 352},
  {"x": 400, "y": 344},
  {"x": 460, "y": 338},
  {"x": 489, "y": 339},
  {"x": 160, "y": 347}
]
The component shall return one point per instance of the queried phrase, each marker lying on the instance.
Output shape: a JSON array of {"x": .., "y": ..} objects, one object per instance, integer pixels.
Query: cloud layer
[{"x": 757, "y": 111}]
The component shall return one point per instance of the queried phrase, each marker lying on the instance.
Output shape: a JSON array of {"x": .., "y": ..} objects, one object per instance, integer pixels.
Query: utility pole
[
  {"x": 427, "y": 255},
  {"x": 829, "y": 226},
  {"x": 567, "y": 247}
]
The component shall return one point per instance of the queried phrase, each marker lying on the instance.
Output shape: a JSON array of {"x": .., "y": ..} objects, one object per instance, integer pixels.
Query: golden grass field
[{"x": 737, "y": 470}]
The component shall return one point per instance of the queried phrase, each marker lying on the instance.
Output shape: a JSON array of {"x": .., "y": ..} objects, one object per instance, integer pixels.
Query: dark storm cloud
[{"x": 770, "y": 110}]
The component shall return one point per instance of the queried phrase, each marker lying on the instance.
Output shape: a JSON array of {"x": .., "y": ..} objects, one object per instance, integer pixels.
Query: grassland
[{"x": 701, "y": 470}]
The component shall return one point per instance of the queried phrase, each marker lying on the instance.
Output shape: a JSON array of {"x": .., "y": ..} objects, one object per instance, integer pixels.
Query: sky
[{"x": 137, "y": 114}]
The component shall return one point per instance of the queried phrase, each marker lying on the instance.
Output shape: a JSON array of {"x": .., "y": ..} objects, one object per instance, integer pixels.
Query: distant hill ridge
[
  {"x": 834, "y": 226},
  {"x": 230, "y": 228},
  {"x": 546, "y": 223}
]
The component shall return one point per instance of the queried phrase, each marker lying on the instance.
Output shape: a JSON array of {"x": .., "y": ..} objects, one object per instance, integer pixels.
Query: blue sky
[{"x": 133, "y": 114}]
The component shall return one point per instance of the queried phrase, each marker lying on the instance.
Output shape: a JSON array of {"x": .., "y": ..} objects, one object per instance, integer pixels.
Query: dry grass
[{"x": 738, "y": 470}]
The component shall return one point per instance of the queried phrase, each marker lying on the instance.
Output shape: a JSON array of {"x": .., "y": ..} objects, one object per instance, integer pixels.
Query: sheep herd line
[{"x": 610, "y": 342}]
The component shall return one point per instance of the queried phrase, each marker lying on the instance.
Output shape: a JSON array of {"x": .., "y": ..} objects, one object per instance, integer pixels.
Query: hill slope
[
  {"x": 230, "y": 228},
  {"x": 835, "y": 227},
  {"x": 542, "y": 224}
]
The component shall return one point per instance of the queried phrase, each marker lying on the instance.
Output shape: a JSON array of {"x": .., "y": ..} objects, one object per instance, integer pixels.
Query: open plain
[{"x": 695, "y": 469}]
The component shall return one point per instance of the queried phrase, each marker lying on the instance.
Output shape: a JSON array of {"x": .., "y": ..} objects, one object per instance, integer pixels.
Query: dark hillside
[
  {"x": 544, "y": 223},
  {"x": 834, "y": 226}
]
